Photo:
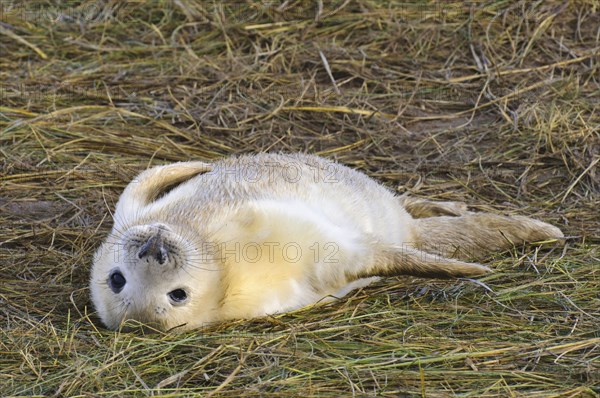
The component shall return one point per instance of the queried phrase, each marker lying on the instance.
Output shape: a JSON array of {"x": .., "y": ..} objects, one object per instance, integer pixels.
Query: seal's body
[{"x": 194, "y": 243}]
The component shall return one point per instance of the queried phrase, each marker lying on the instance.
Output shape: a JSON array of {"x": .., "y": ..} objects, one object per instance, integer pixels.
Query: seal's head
[
  {"x": 153, "y": 271},
  {"x": 151, "y": 274}
]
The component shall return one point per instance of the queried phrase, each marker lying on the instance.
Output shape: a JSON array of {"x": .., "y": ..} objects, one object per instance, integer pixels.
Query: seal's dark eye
[
  {"x": 177, "y": 296},
  {"x": 116, "y": 281}
]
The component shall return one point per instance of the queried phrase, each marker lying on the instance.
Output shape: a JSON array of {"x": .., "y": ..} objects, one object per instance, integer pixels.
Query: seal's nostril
[
  {"x": 154, "y": 248},
  {"x": 161, "y": 254}
]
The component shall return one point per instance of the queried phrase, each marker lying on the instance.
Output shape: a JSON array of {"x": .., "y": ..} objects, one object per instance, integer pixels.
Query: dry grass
[{"x": 494, "y": 103}]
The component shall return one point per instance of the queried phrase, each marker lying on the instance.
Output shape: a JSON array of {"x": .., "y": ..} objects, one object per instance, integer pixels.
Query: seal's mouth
[{"x": 142, "y": 319}]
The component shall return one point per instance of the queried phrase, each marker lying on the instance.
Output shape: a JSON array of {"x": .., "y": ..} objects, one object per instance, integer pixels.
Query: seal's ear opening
[{"x": 156, "y": 183}]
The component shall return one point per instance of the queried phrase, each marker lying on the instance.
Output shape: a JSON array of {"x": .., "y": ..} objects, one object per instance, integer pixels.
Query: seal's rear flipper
[
  {"x": 422, "y": 208},
  {"x": 410, "y": 261},
  {"x": 474, "y": 235}
]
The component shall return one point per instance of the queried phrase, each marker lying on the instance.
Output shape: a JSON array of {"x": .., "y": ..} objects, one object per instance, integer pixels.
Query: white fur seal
[{"x": 195, "y": 243}]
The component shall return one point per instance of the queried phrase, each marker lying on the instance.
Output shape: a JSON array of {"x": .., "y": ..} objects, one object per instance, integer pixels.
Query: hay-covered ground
[{"x": 494, "y": 103}]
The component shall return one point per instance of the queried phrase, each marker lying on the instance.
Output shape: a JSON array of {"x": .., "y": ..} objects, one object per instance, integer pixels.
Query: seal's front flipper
[
  {"x": 395, "y": 261},
  {"x": 154, "y": 183}
]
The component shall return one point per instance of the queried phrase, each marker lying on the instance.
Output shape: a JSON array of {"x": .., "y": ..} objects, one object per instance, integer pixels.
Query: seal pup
[{"x": 195, "y": 243}]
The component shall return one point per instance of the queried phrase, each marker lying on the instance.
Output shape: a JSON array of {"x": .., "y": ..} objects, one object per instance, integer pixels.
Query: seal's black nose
[{"x": 154, "y": 248}]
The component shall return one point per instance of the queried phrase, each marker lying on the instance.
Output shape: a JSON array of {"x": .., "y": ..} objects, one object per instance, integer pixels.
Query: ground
[{"x": 492, "y": 103}]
